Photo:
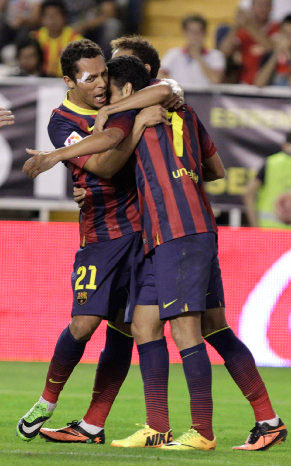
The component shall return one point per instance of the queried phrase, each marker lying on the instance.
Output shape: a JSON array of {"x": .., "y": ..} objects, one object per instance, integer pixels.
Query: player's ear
[
  {"x": 69, "y": 82},
  {"x": 148, "y": 67},
  {"x": 127, "y": 89}
]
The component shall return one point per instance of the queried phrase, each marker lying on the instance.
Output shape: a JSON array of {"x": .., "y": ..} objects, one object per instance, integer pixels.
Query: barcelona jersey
[
  {"x": 111, "y": 207},
  {"x": 171, "y": 193}
]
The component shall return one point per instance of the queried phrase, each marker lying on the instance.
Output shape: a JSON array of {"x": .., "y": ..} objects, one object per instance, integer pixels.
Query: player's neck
[{"x": 72, "y": 97}]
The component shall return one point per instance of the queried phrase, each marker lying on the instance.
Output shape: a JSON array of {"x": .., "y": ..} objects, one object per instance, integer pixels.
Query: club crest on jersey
[
  {"x": 82, "y": 297},
  {"x": 73, "y": 138}
]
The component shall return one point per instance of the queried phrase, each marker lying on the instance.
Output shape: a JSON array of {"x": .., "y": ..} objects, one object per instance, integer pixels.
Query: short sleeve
[
  {"x": 65, "y": 133},
  {"x": 123, "y": 121},
  {"x": 208, "y": 148}
]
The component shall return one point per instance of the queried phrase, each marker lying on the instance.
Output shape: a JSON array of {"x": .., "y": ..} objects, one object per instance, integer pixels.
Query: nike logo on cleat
[
  {"x": 169, "y": 304},
  {"x": 29, "y": 430}
]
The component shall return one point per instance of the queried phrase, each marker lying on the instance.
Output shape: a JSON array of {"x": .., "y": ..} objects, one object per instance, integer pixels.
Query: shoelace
[
  {"x": 187, "y": 435},
  {"x": 74, "y": 423},
  {"x": 255, "y": 433},
  {"x": 38, "y": 411}
]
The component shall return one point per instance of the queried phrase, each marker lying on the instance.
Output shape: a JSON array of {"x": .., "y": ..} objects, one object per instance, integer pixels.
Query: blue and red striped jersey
[
  {"x": 111, "y": 207},
  {"x": 172, "y": 198}
]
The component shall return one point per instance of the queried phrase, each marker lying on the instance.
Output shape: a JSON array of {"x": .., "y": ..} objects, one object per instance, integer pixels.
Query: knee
[
  {"x": 82, "y": 328},
  {"x": 142, "y": 334},
  {"x": 212, "y": 321}
]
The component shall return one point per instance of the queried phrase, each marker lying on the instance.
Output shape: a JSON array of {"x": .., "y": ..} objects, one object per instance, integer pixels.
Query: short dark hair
[
  {"x": 128, "y": 69},
  {"x": 287, "y": 19},
  {"x": 194, "y": 19},
  {"x": 142, "y": 49},
  {"x": 30, "y": 42},
  {"x": 76, "y": 50},
  {"x": 56, "y": 4}
]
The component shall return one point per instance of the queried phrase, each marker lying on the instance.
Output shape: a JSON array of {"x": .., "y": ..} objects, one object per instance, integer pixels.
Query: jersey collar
[{"x": 75, "y": 108}]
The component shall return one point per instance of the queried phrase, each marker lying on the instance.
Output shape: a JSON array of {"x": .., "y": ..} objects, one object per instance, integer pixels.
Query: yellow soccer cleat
[
  {"x": 145, "y": 437},
  {"x": 191, "y": 440}
]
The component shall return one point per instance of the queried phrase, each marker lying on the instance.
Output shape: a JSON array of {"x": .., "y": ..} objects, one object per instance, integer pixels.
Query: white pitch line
[{"x": 111, "y": 455}]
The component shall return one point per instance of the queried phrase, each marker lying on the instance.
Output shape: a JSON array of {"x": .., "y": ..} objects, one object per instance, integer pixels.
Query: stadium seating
[{"x": 162, "y": 19}]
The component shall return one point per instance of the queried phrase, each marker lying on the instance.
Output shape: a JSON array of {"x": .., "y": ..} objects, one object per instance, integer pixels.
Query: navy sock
[
  {"x": 154, "y": 366},
  {"x": 241, "y": 365},
  {"x": 197, "y": 370},
  {"x": 114, "y": 363},
  {"x": 67, "y": 354},
  {"x": 226, "y": 343}
]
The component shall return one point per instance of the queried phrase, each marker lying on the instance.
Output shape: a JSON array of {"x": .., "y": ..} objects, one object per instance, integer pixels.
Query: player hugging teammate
[{"x": 172, "y": 273}]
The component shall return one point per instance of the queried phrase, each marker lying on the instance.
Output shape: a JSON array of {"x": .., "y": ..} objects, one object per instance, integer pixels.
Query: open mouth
[{"x": 100, "y": 98}]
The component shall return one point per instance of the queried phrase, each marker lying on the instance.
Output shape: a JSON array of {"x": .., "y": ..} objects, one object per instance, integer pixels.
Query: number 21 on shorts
[{"x": 82, "y": 272}]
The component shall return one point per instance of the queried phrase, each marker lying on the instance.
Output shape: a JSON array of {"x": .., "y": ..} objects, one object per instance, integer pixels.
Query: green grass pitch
[{"x": 21, "y": 384}]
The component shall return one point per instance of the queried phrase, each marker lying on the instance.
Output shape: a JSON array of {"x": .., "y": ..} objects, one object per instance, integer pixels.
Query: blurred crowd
[
  {"x": 33, "y": 33},
  {"x": 254, "y": 49}
]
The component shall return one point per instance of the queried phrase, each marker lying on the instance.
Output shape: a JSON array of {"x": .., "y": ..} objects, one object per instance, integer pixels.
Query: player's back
[
  {"x": 169, "y": 176},
  {"x": 111, "y": 207}
]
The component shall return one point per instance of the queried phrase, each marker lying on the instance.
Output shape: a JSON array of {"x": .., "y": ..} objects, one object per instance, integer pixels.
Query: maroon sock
[
  {"x": 241, "y": 365},
  {"x": 67, "y": 354},
  {"x": 197, "y": 370},
  {"x": 154, "y": 366},
  {"x": 113, "y": 366}
]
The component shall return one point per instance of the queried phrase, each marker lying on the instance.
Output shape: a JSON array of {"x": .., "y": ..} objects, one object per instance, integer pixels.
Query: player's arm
[
  {"x": 213, "y": 168},
  {"x": 107, "y": 164},
  {"x": 249, "y": 199},
  {"x": 212, "y": 165},
  {"x": 159, "y": 93},
  {"x": 97, "y": 142}
]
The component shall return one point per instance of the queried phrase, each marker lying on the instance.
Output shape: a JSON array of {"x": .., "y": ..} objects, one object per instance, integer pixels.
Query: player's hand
[
  {"x": 79, "y": 195},
  {"x": 152, "y": 116},
  {"x": 177, "y": 99},
  {"x": 175, "y": 102},
  {"x": 39, "y": 163},
  {"x": 101, "y": 119},
  {"x": 6, "y": 117}
]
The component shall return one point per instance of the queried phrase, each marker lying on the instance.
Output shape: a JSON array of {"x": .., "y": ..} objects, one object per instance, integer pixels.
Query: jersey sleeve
[
  {"x": 208, "y": 149},
  {"x": 64, "y": 133},
  {"x": 123, "y": 121}
]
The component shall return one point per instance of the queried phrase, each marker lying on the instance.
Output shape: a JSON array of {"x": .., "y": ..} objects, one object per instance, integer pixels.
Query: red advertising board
[{"x": 35, "y": 268}]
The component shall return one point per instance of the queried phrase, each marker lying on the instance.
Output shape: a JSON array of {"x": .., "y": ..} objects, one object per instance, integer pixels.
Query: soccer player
[
  {"x": 109, "y": 227},
  {"x": 238, "y": 359}
]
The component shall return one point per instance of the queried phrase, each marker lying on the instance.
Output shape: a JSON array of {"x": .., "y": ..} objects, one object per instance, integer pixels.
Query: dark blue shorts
[
  {"x": 102, "y": 275},
  {"x": 182, "y": 275}
]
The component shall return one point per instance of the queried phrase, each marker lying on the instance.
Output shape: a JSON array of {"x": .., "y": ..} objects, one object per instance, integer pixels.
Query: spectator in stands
[
  {"x": 251, "y": 35},
  {"x": 134, "y": 16},
  {"x": 96, "y": 20},
  {"x": 194, "y": 64},
  {"x": 17, "y": 18},
  {"x": 268, "y": 196},
  {"x": 30, "y": 58},
  {"x": 280, "y": 8},
  {"x": 276, "y": 65},
  {"x": 54, "y": 35}
]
